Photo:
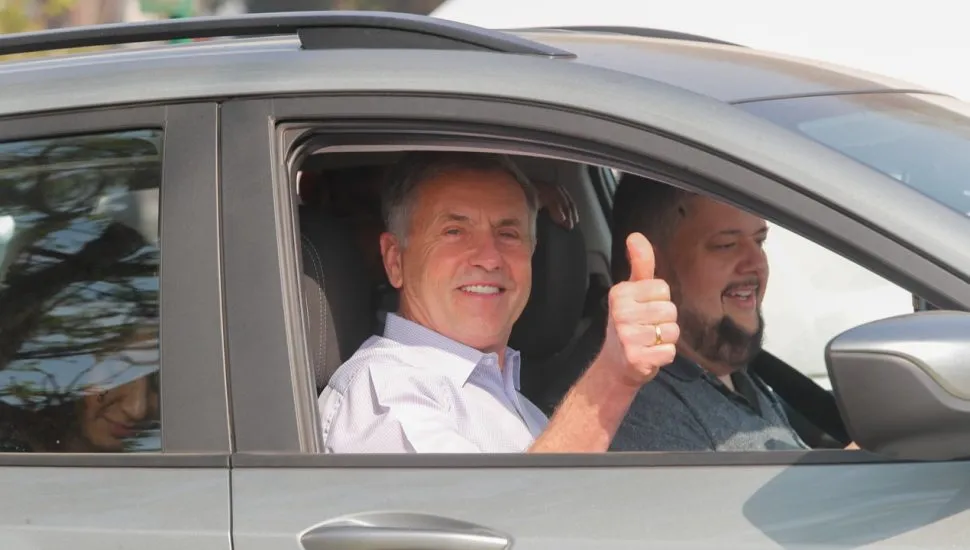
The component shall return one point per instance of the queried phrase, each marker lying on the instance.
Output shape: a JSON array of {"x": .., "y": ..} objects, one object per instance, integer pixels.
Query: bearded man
[{"x": 712, "y": 256}]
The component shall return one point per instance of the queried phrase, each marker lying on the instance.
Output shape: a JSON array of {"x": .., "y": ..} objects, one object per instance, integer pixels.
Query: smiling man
[
  {"x": 441, "y": 379},
  {"x": 712, "y": 256}
]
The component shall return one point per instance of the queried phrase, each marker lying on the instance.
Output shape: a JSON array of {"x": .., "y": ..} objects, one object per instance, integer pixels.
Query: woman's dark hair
[{"x": 39, "y": 430}]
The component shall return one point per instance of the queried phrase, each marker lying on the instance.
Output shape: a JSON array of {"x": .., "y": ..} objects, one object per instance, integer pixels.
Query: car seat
[
  {"x": 338, "y": 298},
  {"x": 555, "y": 334}
]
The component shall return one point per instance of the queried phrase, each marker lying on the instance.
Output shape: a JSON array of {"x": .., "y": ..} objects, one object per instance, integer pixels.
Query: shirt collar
[
  {"x": 688, "y": 371},
  {"x": 684, "y": 369},
  {"x": 457, "y": 360}
]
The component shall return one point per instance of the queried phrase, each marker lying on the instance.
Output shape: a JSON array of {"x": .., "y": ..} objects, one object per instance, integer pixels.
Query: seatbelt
[{"x": 812, "y": 401}]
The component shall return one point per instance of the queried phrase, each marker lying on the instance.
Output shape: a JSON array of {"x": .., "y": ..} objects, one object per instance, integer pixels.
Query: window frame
[
  {"x": 263, "y": 230},
  {"x": 604, "y": 185},
  {"x": 193, "y": 391}
]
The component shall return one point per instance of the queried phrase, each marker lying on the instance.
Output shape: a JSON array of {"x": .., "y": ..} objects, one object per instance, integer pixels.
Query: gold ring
[{"x": 660, "y": 336}]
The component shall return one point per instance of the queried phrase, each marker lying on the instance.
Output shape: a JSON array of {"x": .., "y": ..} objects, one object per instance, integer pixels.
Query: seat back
[
  {"x": 336, "y": 292},
  {"x": 552, "y": 326}
]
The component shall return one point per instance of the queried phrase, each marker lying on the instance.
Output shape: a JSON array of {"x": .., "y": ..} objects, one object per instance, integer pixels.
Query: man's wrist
[
  {"x": 608, "y": 384},
  {"x": 591, "y": 412},
  {"x": 612, "y": 376}
]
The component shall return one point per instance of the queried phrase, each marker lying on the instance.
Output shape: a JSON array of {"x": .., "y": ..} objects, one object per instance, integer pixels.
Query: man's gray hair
[
  {"x": 415, "y": 168},
  {"x": 644, "y": 206}
]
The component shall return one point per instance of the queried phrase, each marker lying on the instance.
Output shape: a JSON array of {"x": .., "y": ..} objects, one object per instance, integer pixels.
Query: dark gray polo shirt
[{"x": 686, "y": 408}]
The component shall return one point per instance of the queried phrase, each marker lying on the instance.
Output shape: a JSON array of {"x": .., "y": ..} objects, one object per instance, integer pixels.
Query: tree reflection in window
[{"x": 79, "y": 288}]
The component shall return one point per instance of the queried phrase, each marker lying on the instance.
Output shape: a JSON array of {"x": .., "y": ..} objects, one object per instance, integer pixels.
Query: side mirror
[{"x": 902, "y": 385}]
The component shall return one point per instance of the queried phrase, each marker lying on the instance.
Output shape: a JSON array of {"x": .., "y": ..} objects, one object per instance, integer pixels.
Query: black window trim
[
  {"x": 570, "y": 135},
  {"x": 194, "y": 393},
  {"x": 604, "y": 185},
  {"x": 561, "y": 460}
]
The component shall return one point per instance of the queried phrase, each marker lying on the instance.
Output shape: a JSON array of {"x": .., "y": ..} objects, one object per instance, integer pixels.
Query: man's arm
[
  {"x": 632, "y": 354},
  {"x": 588, "y": 416}
]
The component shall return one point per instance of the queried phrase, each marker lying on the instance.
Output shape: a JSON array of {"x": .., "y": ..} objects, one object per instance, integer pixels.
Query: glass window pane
[
  {"x": 79, "y": 286},
  {"x": 921, "y": 140}
]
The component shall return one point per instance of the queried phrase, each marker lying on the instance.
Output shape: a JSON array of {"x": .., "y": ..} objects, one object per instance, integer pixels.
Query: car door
[
  {"x": 114, "y": 427},
  {"x": 286, "y": 494}
]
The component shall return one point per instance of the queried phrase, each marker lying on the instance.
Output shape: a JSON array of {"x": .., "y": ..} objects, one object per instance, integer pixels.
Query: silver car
[{"x": 169, "y": 307}]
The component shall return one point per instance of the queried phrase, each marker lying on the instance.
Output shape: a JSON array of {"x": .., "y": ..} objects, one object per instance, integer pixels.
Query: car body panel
[
  {"x": 90, "y": 508},
  {"x": 754, "y": 507},
  {"x": 723, "y": 72},
  {"x": 919, "y": 45}
]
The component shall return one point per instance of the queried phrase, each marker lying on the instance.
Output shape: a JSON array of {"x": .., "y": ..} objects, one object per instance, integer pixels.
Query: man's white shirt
[{"x": 413, "y": 390}]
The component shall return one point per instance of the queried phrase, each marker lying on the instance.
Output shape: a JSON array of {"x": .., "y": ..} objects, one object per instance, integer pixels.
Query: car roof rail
[
  {"x": 316, "y": 30},
  {"x": 637, "y": 31}
]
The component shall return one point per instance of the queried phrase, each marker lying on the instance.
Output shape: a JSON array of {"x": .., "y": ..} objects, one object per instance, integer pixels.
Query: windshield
[{"x": 922, "y": 140}]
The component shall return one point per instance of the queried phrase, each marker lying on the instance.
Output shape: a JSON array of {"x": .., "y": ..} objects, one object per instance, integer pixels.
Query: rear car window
[{"x": 79, "y": 293}]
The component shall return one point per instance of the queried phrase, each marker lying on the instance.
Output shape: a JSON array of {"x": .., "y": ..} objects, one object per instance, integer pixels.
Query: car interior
[{"x": 563, "y": 324}]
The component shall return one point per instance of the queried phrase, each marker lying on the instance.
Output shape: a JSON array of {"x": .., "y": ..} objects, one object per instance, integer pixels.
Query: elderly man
[
  {"x": 712, "y": 255},
  {"x": 441, "y": 379}
]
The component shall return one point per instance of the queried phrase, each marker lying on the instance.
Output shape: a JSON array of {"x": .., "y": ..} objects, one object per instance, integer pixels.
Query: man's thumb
[{"x": 640, "y": 253}]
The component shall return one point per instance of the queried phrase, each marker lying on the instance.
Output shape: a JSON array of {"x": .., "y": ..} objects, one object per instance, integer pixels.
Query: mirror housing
[
  {"x": 921, "y": 304},
  {"x": 902, "y": 385}
]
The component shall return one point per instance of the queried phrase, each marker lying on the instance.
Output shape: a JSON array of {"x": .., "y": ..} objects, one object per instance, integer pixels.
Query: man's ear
[{"x": 391, "y": 253}]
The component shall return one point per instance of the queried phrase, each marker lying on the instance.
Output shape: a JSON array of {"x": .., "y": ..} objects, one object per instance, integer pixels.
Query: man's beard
[{"x": 721, "y": 340}]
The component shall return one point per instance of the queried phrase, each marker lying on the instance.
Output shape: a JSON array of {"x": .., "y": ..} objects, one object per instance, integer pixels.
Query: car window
[
  {"x": 814, "y": 294},
  {"x": 79, "y": 293},
  {"x": 921, "y": 140}
]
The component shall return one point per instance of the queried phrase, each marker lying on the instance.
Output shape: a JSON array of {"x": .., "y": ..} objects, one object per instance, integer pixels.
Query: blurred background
[{"x": 28, "y": 15}]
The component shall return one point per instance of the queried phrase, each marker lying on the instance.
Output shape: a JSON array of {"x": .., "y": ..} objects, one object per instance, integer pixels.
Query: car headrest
[
  {"x": 337, "y": 294},
  {"x": 559, "y": 284}
]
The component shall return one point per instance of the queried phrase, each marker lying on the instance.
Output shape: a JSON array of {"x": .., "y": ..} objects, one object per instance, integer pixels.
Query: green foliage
[
  {"x": 30, "y": 15},
  {"x": 34, "y": 15}
]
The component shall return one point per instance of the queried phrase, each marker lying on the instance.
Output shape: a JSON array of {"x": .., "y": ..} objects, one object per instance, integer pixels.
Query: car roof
[{"x": 722, "y": 71}]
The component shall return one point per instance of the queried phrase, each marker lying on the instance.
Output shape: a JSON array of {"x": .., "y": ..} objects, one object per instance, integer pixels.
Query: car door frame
[
  {"x": 273, "y": 395},
  {"x": 193, "y": 388},
  {"x": 128, "y": 499}
]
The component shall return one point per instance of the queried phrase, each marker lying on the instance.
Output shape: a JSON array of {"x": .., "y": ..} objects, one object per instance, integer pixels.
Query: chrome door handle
[{"x": 402, "y": 531}]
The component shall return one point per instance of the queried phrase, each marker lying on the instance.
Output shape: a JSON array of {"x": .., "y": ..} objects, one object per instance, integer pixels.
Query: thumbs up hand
[{"x": 642, "y": 328}]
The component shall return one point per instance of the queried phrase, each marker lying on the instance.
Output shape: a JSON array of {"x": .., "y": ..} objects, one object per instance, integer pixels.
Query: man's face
[
  {"x": 718, "y": 271},
  {"x": 466, "y": 268}
]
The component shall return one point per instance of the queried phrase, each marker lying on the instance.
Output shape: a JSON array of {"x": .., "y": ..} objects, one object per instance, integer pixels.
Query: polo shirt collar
[{"x": 684, "y": 369}]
